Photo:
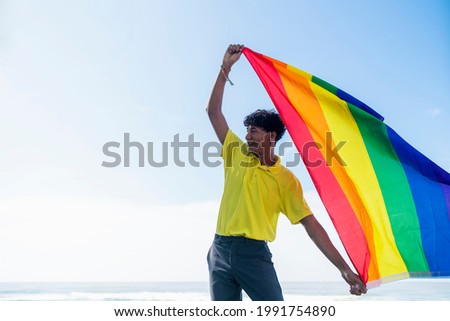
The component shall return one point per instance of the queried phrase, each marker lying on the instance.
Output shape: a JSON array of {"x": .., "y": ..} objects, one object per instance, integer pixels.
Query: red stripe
[{"x": 333, "y": 197}]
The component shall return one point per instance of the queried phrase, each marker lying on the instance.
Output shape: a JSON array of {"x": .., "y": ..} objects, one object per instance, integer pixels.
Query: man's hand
[
  {"x": 232, "y": 55},
  {"x": 357, "y": 287},
  {"x": 320, "y": 237}
]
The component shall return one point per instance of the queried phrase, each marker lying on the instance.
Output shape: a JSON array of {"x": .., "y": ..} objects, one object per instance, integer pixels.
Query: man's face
[{"x": 259, "y": 141}]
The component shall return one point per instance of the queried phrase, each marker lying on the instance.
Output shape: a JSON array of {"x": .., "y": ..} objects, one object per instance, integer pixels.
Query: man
[{"x": 257, "y": 188}]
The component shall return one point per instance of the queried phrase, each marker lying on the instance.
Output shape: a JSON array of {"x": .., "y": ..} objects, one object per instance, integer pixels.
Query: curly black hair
[{"x": 269, "y": 120}]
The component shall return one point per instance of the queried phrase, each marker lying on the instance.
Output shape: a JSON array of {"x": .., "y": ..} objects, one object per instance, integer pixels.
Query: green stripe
[
  {"x": 395, "y": 189},
  {"x": 325, "y": 85}
]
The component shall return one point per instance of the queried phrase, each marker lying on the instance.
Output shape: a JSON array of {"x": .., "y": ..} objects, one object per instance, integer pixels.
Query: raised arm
[
  {"x": 320, "y": 237},
  {"x": 214, "y": 108}
]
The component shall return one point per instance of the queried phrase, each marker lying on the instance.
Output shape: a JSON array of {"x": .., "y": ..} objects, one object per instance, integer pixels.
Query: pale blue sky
[{"x": 75, "y": 75}]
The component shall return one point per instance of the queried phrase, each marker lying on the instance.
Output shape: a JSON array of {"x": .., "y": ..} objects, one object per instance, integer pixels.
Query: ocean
[{"x": 403, "y": 290}]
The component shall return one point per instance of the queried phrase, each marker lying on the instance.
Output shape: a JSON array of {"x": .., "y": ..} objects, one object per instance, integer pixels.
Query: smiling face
[
  {"x": 259, "y": 141},
  {"x": 264, "y": 128}
]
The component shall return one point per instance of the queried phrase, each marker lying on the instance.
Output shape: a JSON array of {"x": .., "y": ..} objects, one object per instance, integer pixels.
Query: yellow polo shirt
[{"x": 254, "y": 194}]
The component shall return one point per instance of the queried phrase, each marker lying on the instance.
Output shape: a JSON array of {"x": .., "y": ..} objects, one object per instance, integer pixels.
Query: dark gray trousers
[{"x": 237, "y": 263}]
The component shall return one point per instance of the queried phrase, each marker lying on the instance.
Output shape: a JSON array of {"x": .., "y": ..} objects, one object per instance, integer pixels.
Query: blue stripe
[
  {"x": 358, "y": 103},
  {"x": 425, "y": 179}
]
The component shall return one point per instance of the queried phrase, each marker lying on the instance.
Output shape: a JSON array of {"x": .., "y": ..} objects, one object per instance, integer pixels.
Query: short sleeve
[
  {"x": 294, "y": 205},
  {"x": 231, "y": 148}
]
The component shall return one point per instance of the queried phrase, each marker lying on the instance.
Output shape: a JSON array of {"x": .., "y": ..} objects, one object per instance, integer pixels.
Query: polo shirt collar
[{"x": 274, "y": 169}]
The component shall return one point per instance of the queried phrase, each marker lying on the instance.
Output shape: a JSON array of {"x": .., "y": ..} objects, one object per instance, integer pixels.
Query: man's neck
[{"x": 268, "y": 159}]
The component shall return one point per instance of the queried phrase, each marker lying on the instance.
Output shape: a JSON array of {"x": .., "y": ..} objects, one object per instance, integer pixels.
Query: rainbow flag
[{"x": 389, "y": 203}]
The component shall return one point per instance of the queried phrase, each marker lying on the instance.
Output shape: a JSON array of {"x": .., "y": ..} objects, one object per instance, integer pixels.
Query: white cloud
[
  {"x": 434, "y": 112},
  {"x": 79, "y": 240},
  {"x": 84, "y": 240}
]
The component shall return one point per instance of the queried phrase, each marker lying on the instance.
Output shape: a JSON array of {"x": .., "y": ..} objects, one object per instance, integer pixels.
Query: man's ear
[{"x": 273, "y": 137}]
